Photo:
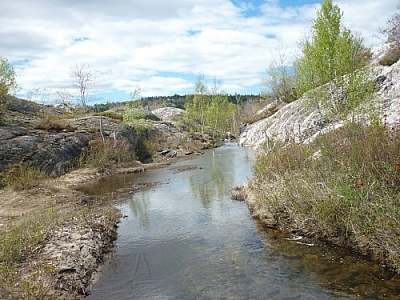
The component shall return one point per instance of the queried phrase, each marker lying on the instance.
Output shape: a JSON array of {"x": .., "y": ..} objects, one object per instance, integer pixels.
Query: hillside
[{"x": 296, "y": 122}]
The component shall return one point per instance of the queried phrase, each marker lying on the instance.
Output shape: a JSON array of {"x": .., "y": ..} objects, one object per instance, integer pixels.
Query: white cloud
[{"x": 162, "y": 45}]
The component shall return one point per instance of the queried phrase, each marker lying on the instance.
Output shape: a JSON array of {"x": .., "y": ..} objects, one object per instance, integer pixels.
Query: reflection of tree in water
[
  {"x": 216, "y": 181},
  {"x": 139, "y": 205}
]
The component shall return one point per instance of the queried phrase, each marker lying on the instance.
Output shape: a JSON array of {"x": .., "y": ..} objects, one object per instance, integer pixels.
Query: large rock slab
[{"x": 297, "y": 123}]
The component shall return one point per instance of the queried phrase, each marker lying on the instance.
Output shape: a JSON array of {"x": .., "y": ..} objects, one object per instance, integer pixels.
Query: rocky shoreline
[
  {"x": 61, "y": 259},
  {"x": 66, "y": 264}
]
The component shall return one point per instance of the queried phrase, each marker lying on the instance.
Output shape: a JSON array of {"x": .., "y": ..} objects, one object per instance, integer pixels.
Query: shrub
[{"x": 112, "y": 115}]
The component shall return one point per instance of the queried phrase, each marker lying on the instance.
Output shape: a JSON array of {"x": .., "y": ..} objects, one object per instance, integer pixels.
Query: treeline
[{"x": 179, "y": 101}]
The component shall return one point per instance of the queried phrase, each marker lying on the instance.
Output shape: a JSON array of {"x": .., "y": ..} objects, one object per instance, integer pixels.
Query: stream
[{"x": 184, "y": 238}]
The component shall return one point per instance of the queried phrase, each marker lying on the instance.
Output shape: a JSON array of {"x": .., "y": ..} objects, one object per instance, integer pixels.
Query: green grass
[
  {"x": 23, "y": 240},
  {"x": 343, "y": 188}
]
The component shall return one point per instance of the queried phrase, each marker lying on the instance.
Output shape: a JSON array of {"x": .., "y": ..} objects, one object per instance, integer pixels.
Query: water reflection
[
  {"x": 139, "y": 205},
  {"x": 218, "y": 176},
  {"x": 186, "y": 239}
]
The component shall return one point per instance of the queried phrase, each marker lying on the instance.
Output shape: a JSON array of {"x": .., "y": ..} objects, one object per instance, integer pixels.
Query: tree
[
  {"x": 84, "y": 80},
  {"x": 195, "y": 110},
  {"x": 392, "y": 29},
  {"x": 8, "y": 81},
  {"x": 134, "y": 109},
  {"x": 220, "y": 114},
  {"x": 210, "y": 109},
  {"x": 64, "y": 96},
  {"x": 334, "y": 55},
  {"x": 280, "y": 82},
  {"x": 392, "y": 33}
]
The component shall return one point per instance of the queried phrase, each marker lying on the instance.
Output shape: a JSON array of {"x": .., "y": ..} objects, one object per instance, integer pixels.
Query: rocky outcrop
[
  {"x": 170, "y": 114},
  {"x": 297, "y": 123},
  {"x": 54, "y": 153},
  {"x": 52, "y": 145},
  {"x": 50, "y": 153}
]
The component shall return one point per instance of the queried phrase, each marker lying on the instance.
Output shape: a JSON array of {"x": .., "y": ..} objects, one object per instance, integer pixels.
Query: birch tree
[
  {"x": 84, "y": 80},
  {"x": 334, "y": 55},
  {"x": 8, "y": 81}
]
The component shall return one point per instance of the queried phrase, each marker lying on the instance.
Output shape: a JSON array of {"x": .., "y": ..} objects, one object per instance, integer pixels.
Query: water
[{"x": 186, "y": 239}]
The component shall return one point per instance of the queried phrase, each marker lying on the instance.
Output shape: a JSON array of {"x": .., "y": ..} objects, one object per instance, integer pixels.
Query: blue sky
[{"x": 161, "y": 46}]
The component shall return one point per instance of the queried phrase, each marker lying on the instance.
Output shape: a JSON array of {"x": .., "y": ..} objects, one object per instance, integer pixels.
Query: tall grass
[
  {"x": 101, "y": 153},
  {"x": 23, "y": 177},
  {"x": 344, "y": 188}
]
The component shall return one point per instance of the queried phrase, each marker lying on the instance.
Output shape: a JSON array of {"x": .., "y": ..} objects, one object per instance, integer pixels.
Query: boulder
[{"x": 168, "y": 114}]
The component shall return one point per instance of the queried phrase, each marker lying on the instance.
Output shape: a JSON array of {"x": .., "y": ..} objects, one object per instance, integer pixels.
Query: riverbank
[
  {"x": 343, "y": 188},
  {"x": 55, "y": 237}
]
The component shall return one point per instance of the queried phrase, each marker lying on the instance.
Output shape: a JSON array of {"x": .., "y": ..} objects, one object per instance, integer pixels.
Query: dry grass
[
  {"x": 344, "y": 188},
  {"x": 105, "y": 153},
  {"x": 23, "y": 177}
]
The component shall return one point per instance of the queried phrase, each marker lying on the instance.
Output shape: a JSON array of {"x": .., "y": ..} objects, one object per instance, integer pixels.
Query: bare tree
[
  {"x": 392, "y": 29},
  {"x": 64, "y": 97},
  {"x": 84, "y": 80},
  {"x": 280, "y": 83}
]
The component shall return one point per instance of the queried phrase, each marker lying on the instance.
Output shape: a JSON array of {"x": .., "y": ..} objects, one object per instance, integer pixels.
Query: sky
[{"x": 161, "y": 46}]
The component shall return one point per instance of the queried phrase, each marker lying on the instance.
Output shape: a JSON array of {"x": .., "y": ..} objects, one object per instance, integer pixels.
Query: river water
[{"x": 186, "y": 239}]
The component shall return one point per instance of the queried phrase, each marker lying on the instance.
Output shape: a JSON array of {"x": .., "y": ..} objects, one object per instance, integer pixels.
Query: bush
[{"x": 112, "y": 115}]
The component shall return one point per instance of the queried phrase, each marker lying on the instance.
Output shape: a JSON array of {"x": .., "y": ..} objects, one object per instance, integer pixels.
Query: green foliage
[
  {"x": 134, "y": 109},
  {"x": 112, "y": 115},
  {"x": 344, "y": 187},
  {"x": 133, "y": 112},
  {"x": 210, "y": 110},
  {"x": 23, "y": 177},
  {"x": 332, "y": 54},
  {"x": 8, "y": 81}
]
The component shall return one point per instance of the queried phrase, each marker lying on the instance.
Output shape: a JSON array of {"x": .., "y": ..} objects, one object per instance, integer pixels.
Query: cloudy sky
[{"x": 162, "y": 46}]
